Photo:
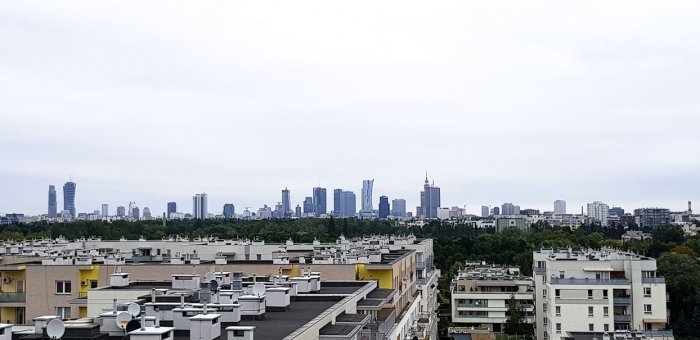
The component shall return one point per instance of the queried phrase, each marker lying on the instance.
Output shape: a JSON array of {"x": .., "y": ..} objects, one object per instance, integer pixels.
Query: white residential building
[
  {"x": 598, "y": 212},
  {"x": 596, "y": 291},
  {"x": 559, "y": 207},
  {"x": 480, "y": 296}
]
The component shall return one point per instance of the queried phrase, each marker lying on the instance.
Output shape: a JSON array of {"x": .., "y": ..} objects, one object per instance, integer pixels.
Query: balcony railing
[
  {"x": 622, "y": 301},
  {"x": 623, "y": 318},
  {"x": 653, "y": 280},
  {"x": 13, "y": 297},
  {"x": 590, "y": 281}
]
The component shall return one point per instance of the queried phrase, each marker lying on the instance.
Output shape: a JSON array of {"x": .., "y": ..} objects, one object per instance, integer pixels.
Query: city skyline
[
  {"x": 590, "y": 85},
  {"x": 475, "y": 208}
]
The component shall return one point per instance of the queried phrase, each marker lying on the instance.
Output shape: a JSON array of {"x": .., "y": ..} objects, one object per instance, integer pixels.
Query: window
[
  {"x": 544, "y": 279},
  {"x": 606, "y": 311},
  {"x": 647, "y": 291},
  {"x": 561, "y": 274},
  {"x": 237, "y": 333},
  {"x": 647, "y": 309},
  {"x": 606, "y": 328},
  {"x": 546, "y": 335},
  {"x": 558, "y": 328},
  {"x": 590, "y": 293},
  {"x": 259, "y": 257},
  {"x": 590, "y": 327},
  {"x": 558, "y": 310},
  {"x": 544, "y": 307},
  {"x": 63, "y": 287},
  {"x": 557, "y": 293},
  {"x": 545, "y": 321},
  {"x": 605, "y": 294},
  {"x": 544, "y": 292},
  {"x": 63, "y": 312},
  {"x": 93, "y": 284},
  {"x": 590, "y": 310}
]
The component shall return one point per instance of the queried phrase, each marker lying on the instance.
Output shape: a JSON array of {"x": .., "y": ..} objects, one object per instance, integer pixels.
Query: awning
[
  {"x": 597, "y": 269},
  {"x": 645, "y": 320}
]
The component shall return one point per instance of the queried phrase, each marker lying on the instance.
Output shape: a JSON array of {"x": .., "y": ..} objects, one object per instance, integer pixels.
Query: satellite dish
[
  {"x": 123, "y": 319},
  {"x": 209, "y": 276},
  {"x": 55, "y": 329},
  {"x": 213, "y": 285},
  {"x": 132, "y": 326},
  {"x": 259, "y": 289},
  {"x": 134, "y": 309}
]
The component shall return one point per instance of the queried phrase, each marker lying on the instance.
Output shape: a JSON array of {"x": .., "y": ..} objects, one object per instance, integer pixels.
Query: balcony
[
  {"x": 622, "y": 318},
  {"x": 540, "y": 271},
  {"x": 622, "y": 301},
  {"x": 420, "y": 265},
  {"x": 653, "y": 280},
  {"x": 13, "y": 297},
  {"x": 610, "y": 282}
]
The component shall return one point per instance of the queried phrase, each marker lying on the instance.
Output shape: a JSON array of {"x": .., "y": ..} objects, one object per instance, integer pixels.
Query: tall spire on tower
[{"x": 426, "y": 177}]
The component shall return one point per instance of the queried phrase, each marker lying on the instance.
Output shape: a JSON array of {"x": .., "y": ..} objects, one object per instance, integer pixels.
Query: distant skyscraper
[
  {"x": 496, "y": 211},
  {"x": 398, "y": 207},
  {"x": 598, "y": 211},
  {"x": 286, "y": 205},
  {"x": 297, "y": 211},
  {"x": 559, "y": 207},
  {"x": 429, "y": 199},
  {"x": 53, "y": 205},
  {"x": 135, "y": 213},
  {"x": 229, "y": 210},
  {"x": 172, "y": 207},
  {"x": 484, "y": 211},
  {"x": 69, "y": 198},
  {"x": 308, "y": 205},
  {"x": 367, "y": 195},
  {"x": 338, "y": 202},
  {"x": 349, "y": 204},
  {"x": 121, "y": 211},
  {"x": 319, "y": 201},
  {"x": 383, "y": 207},
  {"x": 509, "y": 209},
  {"x": 105, "y": 210},
  {"x": 199, "y": 206},
  {"x": 147, "y": 213}
]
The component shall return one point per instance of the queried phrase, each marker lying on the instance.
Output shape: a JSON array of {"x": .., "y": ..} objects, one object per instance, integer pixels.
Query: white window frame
[
  {"x": 647, "y": 310},
  {"x": 63, "y": 312},
  {"x": 63, "y": 284},
  {"x": 645, "y": 291}
]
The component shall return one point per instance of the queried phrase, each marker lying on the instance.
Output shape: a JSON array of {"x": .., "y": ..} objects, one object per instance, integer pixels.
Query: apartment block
[{"x": 583, "y": 293}]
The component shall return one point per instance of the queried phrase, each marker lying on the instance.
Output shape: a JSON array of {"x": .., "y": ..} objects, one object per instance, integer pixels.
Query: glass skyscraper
[
  {"x": 319, "y": 200},
  {"x": 429, "y": 199},
  {"x": 199, "y": 206},
  {"x": 53, "y": 205},
  {"x": 367, "y": 195},
  {"x": 229, "y": 210},
  {"x": 383, "y": 206},
  {"x": 172, "y": 207},
  {"x": 286, "y": 205},
  {"x": 69, "y": 198}
]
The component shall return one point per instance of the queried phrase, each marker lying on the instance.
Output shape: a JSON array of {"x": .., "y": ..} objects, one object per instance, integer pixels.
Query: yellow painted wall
[
  {"x": 92, "y": 274},
  {"x": 292, "y": 272},
  {"x": 82, "y": 312},
  {"x": 384, "y": 276},
  {"x": 7, "y": 314},
  {"x": 14, "y": 276}
]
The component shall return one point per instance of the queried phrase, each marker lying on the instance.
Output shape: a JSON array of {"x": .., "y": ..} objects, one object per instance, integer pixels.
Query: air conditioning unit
[
  {"x": 7, "y": 280},
  {"x": 84, "y": 283}
]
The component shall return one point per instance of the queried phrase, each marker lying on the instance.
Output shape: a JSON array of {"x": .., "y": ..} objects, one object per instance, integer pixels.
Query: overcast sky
[{"x": 522, "y": 101}]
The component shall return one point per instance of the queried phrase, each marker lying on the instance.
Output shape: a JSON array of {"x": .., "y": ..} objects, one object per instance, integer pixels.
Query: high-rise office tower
[
  {"x": 229, "y": 210},
  {"x": 69, "y": 198},
  {"x": 429, "y": 199},
  {"x": 496, "y": 211},
  {"x": 199, "y": 206},
  {"x": 286, "y": 205},
  {"x": 53, "y": 205},
  {"x": 297, "y": 211},
  {"x": 398, "y": 207},
  {"x": 509, "y": 209},
  {"x": 383, "y": 207},
  {"x": 308, "y": 205},
  {"x": 105, "y": 210},
  {"x": 367, "y": 205},
  {"x": 146, "y": 213},
  {"x": 559, "y": 207},
  {"x": 598, "y": 211},
  {"x": 319, "y": 201},
  {"x": 121, "y": 211},
  {"x": 349, "y": 204},
  {"x": 485, "y": 211},
  {"x": 135, "y": 213},
  {"x": 172, "y": 207},
  {"x": 616, "y": 211},
  {"x": 338, "y": 202}
]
